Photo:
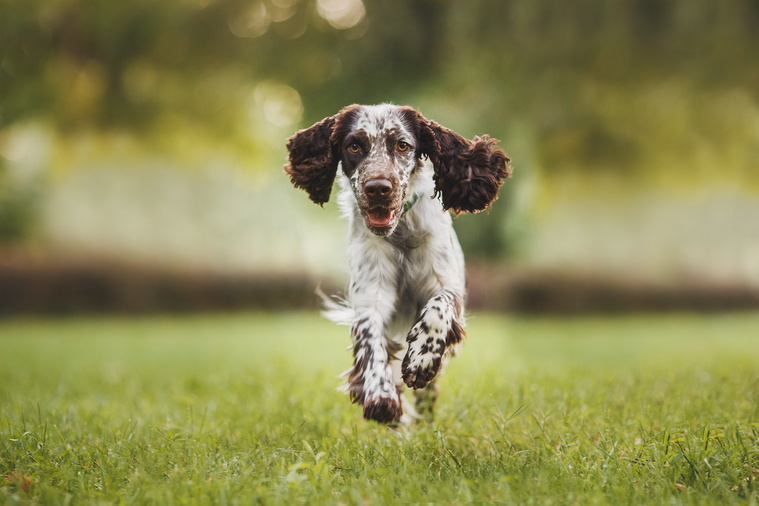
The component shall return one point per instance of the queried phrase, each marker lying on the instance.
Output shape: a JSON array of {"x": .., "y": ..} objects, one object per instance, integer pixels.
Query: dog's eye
[
  {"x": 402, "y": 146},
  {"x": 354, "y": 147}
]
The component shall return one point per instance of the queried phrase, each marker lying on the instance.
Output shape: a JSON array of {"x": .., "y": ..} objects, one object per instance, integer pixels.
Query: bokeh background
[{"x": 142, "y": 145}]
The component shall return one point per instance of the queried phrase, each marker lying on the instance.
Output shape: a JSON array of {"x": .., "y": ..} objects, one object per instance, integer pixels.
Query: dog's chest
[
  {"x": 412, "y": 245},
  {"x": 409, "y": 239}
]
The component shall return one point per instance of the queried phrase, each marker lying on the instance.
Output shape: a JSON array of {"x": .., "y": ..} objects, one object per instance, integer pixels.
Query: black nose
[{"x": 378, "y": 188}]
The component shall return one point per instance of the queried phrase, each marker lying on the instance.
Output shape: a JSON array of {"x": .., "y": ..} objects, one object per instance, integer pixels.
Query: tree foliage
[
  {"x": 649, "y": 90},
  {"x": 93, "y": 62}
]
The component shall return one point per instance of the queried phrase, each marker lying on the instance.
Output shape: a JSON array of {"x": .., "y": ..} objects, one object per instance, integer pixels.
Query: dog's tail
[{"x": 336, "y": 308}]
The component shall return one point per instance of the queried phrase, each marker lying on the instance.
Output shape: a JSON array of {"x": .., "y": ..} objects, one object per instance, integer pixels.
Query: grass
[{"x": 243, "y": 409}]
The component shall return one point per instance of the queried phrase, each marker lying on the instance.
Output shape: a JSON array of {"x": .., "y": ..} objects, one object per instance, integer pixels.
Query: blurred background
[{"x": 142, "y": 145}]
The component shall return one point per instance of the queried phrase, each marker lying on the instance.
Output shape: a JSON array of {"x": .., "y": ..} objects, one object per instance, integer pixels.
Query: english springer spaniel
[{"x": 400, "y": 173}]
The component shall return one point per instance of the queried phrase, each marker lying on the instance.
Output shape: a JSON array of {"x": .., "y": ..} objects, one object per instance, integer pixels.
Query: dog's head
[{"x": 380, "y": 147}]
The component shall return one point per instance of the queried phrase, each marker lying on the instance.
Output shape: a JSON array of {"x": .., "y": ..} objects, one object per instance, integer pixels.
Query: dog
[{"x": 400, "y": 174}]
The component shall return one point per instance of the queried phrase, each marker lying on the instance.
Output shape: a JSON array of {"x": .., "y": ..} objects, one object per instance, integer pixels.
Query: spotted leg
[
  {"x": 437, "y": 328},
  {"x": 370, "y": 380}
]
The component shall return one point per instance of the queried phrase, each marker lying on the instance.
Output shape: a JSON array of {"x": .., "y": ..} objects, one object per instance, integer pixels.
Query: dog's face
[
  {"x": 378, "y": 154},
  {"x": 379, "y": 147}
]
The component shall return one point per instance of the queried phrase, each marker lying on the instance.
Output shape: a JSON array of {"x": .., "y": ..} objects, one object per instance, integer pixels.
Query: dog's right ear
[{"x": 313, "y": 160}]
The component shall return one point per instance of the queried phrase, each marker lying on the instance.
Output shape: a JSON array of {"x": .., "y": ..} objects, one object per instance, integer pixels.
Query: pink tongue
[{"x": 380, "y": 218}]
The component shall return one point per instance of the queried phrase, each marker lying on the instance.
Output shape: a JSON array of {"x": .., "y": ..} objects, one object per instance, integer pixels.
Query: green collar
[{"x": 407, "y": 206}]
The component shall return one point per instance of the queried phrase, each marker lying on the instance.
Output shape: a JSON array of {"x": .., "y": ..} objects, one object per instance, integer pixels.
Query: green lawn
[{"x": 244, "y": 409}]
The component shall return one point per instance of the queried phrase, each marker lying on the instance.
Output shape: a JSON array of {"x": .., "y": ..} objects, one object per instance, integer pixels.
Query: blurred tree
[
  {"x": 626, "y": 87},
  {"x": 86, "y": 50},
  {"x": 17, "y": 208},
  {"x": 83, "y": 63}
]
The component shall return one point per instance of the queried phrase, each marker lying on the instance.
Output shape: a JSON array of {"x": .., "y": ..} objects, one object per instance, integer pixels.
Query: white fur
[
  {"x": 405, "y": 303},
  {"x": 391, "y": 285}
]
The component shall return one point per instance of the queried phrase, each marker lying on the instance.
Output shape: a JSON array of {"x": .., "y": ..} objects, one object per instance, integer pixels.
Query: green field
[{"x": 244, "y": 409}]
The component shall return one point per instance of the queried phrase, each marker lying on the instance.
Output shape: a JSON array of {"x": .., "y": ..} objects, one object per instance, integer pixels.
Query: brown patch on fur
[
  {"x": 422, "y": 377},
  {"x": 356, "y": 386},
  {"x": 456, "y": 334},
  {"x": 356, "y": 378},
  {"x": 343, "y": 126},
  {"x": 468, "y": 174},
  {"x": 313, "y": 163},
  {"x": 383, "y": 410},
  {"x": 315, "y": 152}
]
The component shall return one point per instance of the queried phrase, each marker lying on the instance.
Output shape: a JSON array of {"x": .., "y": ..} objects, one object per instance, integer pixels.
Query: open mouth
[{"x": 380, "y": 218}]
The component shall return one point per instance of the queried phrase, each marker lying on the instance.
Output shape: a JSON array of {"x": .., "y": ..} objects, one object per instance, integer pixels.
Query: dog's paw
[
  {"x": 383, "y": 410},
  {"x": 426, "y": 347},
  {"x": 419, "y": 370},
  {"x": 436, "y": 329}
]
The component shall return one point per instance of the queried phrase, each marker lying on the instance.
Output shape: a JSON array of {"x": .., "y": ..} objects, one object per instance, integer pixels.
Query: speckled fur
[{"x": 407, "y": 273}]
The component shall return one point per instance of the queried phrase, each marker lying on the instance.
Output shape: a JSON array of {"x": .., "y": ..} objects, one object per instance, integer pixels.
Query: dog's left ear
[
  {"x": 313, "y": 161},
  {"x": 468, "y": 173}
]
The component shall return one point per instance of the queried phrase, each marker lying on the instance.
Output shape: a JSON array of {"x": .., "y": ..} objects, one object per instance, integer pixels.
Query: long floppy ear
[
  {"x": 313, "y": 160},
  {"x": 468, "y": 173}
]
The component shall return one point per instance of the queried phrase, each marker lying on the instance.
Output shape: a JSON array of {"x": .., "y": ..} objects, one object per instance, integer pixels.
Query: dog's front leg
[
  {"x": 437, "y": 328},
  {"x": 370, "y": 380}
]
